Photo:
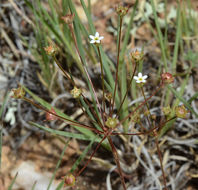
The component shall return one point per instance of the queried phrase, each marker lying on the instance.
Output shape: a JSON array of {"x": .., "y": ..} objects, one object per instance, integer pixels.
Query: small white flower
[
  {"x": 96, "y": 39},
  {"x": 140, "y": 78}
]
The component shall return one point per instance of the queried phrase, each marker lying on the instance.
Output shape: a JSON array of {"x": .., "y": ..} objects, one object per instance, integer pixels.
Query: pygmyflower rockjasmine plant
[
  {"x": 95, "y": 39},
  {"x": 140, "y": 78}
]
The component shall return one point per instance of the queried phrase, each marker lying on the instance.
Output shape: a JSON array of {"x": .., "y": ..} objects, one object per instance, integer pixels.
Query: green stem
[{"x": 129, "y": 86}]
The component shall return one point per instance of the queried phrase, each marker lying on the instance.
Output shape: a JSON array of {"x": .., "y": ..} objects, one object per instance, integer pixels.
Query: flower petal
[
  {"x": 96, "y": 34},
  {"x": 92, "y": 37},
  {"x": 101, "y": 37},
  {"x": 145, "y": 77},
  {"x": 139, "y": 75},
  {"x": 136, "y": 78},
  {"x": 97, "y": 41},
  {"x": 137, "y": 81},
  {"x": 92, "y": 41}
]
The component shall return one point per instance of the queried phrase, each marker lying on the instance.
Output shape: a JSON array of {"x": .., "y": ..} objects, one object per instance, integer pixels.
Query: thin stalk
[
  {"x": 87, "y": 74},
  {"x": 129, "y": 86},
  {"x": 146, "y": 132},
  {"x": 60, "y": 67},
  {"x": 150, "y": 123},
  {"x": 160, "y": 157},
  {"x": 93, "y": 111},
  {"x": 102, "y": 72},
  {"x": 60, "y": 117},
  {"x": 116, "y": 157},
  {"x": 85, "y": 113},
  {"x": 97, "y": 147},
  {"x": 123, "y": 120},
  {"x": 117, "y": 66}
]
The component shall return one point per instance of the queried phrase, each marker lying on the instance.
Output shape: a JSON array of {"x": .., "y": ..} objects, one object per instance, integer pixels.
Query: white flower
[
  {"x": 140, "y": 78},
  {"x": 95, "y": 39}
]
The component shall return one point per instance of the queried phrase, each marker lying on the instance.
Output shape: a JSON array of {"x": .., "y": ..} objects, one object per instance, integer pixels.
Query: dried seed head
[
  {"x": 68, "y": 19},
  {"x": 69, "y": 180},
  {"x": 18, "y": 93},
  {"x": 50, "y": 50},
  {"x": 111, "y": 122},
  {"x": 137, "y": 55},
  {"x": 50, "y": 116},
  {"x": 76, "y": 92},
  {"x": 153, "y": 117},
  {"x": 167, "y": 78},
  {"x": 121, "y": 11},
  {"x": 166, "y": 110},
  {"x": 181, "y": 111}
]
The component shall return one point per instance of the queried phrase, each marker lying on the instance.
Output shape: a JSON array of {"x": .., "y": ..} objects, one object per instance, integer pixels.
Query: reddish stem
[
  {"x": 116, "y": 157},
  {"x": 97, "y": 147},
  {"x": 60, "y": 117}
]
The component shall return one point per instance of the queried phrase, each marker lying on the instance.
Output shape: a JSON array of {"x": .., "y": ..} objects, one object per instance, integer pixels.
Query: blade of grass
[
  {"x": 12, "y": 182},
  {"x": 178, "y": 34},
  {"x": 34, "y": 185},
  {"x": 58, "y": 164},
  {"x": 160, "y": 36},
  {"x": 127, "y": 34},
  {"x": 82, "y": 156}
]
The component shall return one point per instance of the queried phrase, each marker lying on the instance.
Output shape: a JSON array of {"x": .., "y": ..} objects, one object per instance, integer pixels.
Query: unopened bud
[
  {"x": 166, "y": 110},
  {"x": 181, "y": 111},
  {"x": 122, "y": 11},
  {"x": 18, "y": 93},
  {"x": 153, "y": 117},
  {"x": 136, "y": 117},
  {"x": 76, "y": 92},
  {"x": 49, "y": 116},
  {"x": 50, "y": 50},
  {"x": 69, "y": 180},
  {"x": 111, "y": 122},
  {"x": 167, "y": 78},
  {"x": 68, "y": 19}
]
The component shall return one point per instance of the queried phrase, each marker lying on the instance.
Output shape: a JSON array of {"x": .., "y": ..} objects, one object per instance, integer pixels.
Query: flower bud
[
  {"x": 122, "y": 11},
  {"x": 69, "y": 180},
  {"x": 18, "y": 93},
  {"x": 49, "y": 116},
  {"x": 68, "y": 19},
  {"x": 76, "y": 92},
  {"x": 166, "y": 110},
  {"x": 111, "y": 122},
  {"x": 167, "y": 78},
  {"x": 181, "y": 111}
]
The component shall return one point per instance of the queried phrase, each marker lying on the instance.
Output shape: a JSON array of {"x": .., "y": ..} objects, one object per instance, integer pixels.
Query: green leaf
[
  {"x": 58, "y": 164},
  {"x": 12, "y": 182}
]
